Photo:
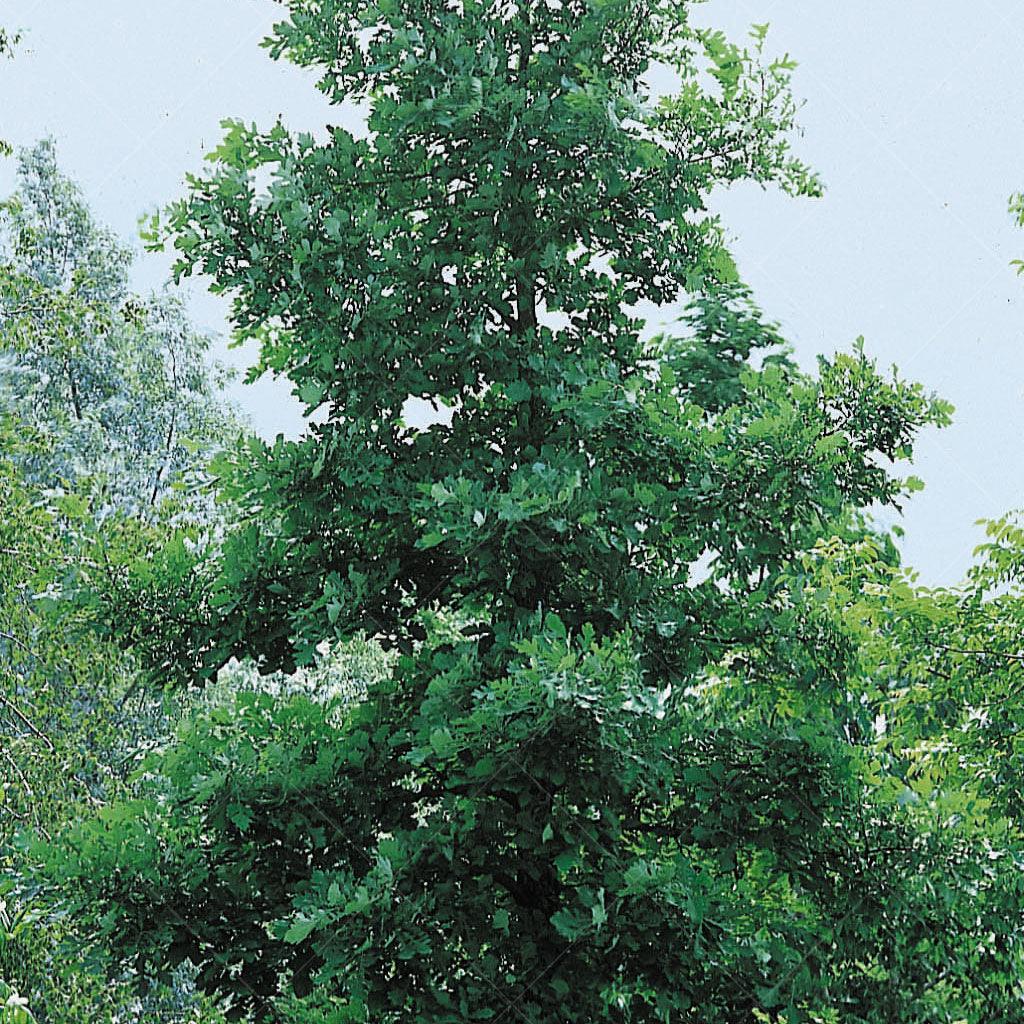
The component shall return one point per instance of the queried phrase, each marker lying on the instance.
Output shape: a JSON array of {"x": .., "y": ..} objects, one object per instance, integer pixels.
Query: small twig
[
  {"x": 15, "y": 640},
  {"x": 28, "y": 722},
  {"x": 979, "y": 653}
]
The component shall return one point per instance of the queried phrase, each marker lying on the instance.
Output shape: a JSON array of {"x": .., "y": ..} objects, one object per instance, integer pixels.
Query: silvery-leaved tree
[
  {"x": 620, "y": 770},
  {"x": 106, "y": 401},
  {"x": 8, "y": 41},
  {"x": 118, "y": 389}
]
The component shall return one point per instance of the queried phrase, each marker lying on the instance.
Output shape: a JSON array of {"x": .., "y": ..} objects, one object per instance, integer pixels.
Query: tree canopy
[
  {"x": 625, "y": 765},
  {"x": 598, "y": 695},
  {"x": 88, "y": 476},
  {"x": 118, "y": 388}
]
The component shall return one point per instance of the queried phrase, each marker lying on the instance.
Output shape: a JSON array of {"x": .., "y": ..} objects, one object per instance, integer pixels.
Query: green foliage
[
  {"x": 72, "y": 719},
  {"x": 535, "y": 827},
  {"x": 946, "y": 666},
  {"x": 617, "y": 757},
  {"x": 58, "y": 722},
  {"x": 105, "y": 403},
  {"x": 238, "y": 728},
  {"x": 14, "y": 1008},
  {"x": 46, "y": 694}
]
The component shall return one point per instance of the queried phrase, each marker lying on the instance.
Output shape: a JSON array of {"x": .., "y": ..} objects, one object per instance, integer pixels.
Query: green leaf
[
  {"x": 518, "y": 391},
  {"x": 300, "y": 929},
  {"x": 240, "y": 816}
]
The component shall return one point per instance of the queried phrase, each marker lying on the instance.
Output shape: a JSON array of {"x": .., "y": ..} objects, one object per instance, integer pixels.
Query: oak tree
[{"x": 620, "y": 769}]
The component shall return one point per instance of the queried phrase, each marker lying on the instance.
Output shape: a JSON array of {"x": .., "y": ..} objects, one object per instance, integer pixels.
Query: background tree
[
  {"x": 621, "y": 769},
  {"x": 119, "y": 389},
  {"x": 8, "y": 41},
  {"x": 69, "y": 729},
  {"x": 106, "y": 402}
]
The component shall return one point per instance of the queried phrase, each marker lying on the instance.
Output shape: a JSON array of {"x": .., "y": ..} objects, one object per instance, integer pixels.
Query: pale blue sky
[{"x": 910, "y": 117}]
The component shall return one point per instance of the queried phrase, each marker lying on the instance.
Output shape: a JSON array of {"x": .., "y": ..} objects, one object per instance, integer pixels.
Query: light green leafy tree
[
  {"x": 620, "y": 769},
  {"x": 71, "y": 721},
  {"x": 106, "y": 403},
  {"x": 59, "y": 725}
]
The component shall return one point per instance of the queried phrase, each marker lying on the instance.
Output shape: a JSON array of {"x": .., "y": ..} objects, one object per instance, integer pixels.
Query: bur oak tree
[{"x": 621, "y": 769}]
